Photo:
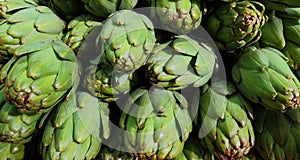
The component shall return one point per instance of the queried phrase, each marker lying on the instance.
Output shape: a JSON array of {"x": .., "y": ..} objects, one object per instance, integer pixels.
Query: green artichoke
[
  {"x": 78, "y": 30},
  {"x": 235, "y": 25},
  {"x": 12, "y": 151},
  {"x": 277, "y": 137},
  {"x": 263, "y": 76},
  {"x": 105, "y": 8},
  {"x": 148, "y": 117},
  {"x": 280, "y": 4},
  {"x": 75, "y": 128},
  {"x": 180, "y": 63},
  {"x": 180, "y": 15},
  {"x": 8, "y": 7},
  {"x": 15, "y": 127},
  {"x": 40, "y": 75},
  {"x": 67, "y": 8},
  {"x": 224, "y": 121},
  {"x": 104, "y": 83},
  {"x": 27, "y": 25},
  {"x": 272, "y": 33},
  {"x": 125, "y": 40}
]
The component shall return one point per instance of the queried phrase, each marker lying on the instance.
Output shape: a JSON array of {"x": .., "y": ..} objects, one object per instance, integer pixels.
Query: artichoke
[
  {"x": 148, "y": 117},
  {"x": 75, "y": 128},
  {"x": 224, "y": 121},
  {"x": 8, "y": 7},
  {"x": 104, "y": 83},
  {"x": 78, "y": 30},
  {"x": 180, "y": 15},
  {"x": 277, "y": 136},
  {"x": 263, "y": 76},
  {"x": 67, "y": 8},
  {"x": 27, "y": 25},
  {"x": 40, "y": 75},
  {"x": 272, "y": 33},
  {"x": 15, "y": 127},
  {"x": 12, "y": 151},
  {"x": 236, "y": 24},
  {"x": 105, "y": 8},
  {"x": 180, "y": 63},
  {"x": 126, "y": 39},
  {"x": 280, "y": 4}
]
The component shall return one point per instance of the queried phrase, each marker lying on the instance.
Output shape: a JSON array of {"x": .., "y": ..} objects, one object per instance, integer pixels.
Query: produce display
[{"x": 150, "y": 79}]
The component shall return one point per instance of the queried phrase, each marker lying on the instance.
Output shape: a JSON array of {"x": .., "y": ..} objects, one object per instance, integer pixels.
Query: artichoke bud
[
  {"x": 180, "y": 63},
  {"x": 40, "y": 76},
  {"x": 69, "y": 129},
  {"x": 78, "y": 30},
  {"x": 276, "y": 135},
  {"x": 236, "y": 24},
  {"x": 105, "y": 8},
  {"x": 225, "y": 128},
  {"x": 27, "y": 25},
  {"x": 126, "y": 39},
  {"x": 15, "y": 127},
  {"x": 179, "y": 16},
  {"x": 272, "y": 33},
  {"x": 107, "y": 84},
  {"x": 263, "y": 76},
  {"x": 148, "y": 117}
]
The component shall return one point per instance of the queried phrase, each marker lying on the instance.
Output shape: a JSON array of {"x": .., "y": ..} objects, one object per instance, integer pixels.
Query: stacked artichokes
[{"x": 152, "y": 79}]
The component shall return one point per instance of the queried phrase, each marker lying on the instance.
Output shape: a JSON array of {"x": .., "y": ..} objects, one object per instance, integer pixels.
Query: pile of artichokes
[{"x": 150, "y": 79}]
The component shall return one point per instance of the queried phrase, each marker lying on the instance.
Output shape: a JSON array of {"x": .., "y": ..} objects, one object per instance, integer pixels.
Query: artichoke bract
[
  {"x": 277, "y": 136},
  {"x": 15, "y": 127},
  {"x": 125, "y": 40},
  {"x": 105, "y": 8},
  {"x": 75, "y": 128},
  {"x": 78, "y": 30},
  {"x": 263, "y": 76},
  {"x": 27, "y": 25},
  {"x": 40, "y": 75},
  {"x": 157, "y": 123},
  {"x": 180, "y": 16},
  {"x": 180, "y": 63},
  {"x": 13, "y": 151},
  {"x": 67, "y": 8},
  {"x": 224, "y": 121},
  {"x": 104, "y": 83},
  {"x": 236, "y": 24}
]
